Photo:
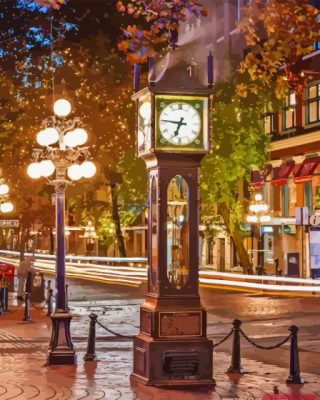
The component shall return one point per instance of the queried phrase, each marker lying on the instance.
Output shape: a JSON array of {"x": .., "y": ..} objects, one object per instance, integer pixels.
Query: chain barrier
[
  {"x": 115, "y": 333},
  {"x": 224, "y": 339},
  {"x": 235, "y": 367},
  {"x": 258, "y": 346}
]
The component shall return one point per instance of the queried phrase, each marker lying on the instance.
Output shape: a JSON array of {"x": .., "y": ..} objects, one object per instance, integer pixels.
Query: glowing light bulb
[
  {"x": 47, "y": 167},
  {"x": 47, "y": 136},
  {"x": 4, "y": 189},
  {"x": 74, "y": 138},
  {"x": 88, "y": 169},
  {"x": 74, "y": 172},
  {"x": 34, "y": 171},
  {"x": 265, "y": 218},
  {"x": 62, "y": 108},
  {"x": 6, "y": 207}
]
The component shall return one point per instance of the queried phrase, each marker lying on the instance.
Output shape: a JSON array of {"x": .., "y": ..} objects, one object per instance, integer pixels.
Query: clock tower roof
[{"x": 177, "y": 75}]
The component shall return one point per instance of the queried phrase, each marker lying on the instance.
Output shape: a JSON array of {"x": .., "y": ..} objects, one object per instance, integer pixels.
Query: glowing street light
[
  {"x": 62, "y": 155},
  {"x": 259, "y": 213},
  {"x": 5, "y": 205}
]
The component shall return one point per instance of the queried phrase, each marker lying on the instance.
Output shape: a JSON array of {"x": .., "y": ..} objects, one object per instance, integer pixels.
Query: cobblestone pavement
[{"x": 24, "y": 375}]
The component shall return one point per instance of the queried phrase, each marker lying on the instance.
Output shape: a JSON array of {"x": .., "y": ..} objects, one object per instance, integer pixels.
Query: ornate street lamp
[
  {"x": 61, "y": 138},
  {"x": 90, "y": 235},
  {"x": 5, "y": 206},
  {"x": 259, "y": 213}
]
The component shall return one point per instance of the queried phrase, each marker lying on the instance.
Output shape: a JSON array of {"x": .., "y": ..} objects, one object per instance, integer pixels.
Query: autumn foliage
[
  {"x": 157, "y": 27},
  {"x": 279, "y": 33},
  {"x": 55, "y": 4}
]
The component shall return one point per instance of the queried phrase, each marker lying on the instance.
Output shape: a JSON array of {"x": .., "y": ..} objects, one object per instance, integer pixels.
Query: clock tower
[{"x": 172, "y": 348}]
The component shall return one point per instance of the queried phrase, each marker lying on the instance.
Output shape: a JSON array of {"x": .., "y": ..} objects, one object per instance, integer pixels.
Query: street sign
[
  {"x": 315, "y": 218},
  {"x": 9, "y": 223}
]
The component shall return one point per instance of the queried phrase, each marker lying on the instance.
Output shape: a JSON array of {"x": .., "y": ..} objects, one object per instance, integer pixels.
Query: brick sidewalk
[{"x": 24, "y": 375}]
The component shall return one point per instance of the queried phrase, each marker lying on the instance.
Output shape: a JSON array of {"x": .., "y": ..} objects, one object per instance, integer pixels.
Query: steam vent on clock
[{"x": 172, "y": 131}]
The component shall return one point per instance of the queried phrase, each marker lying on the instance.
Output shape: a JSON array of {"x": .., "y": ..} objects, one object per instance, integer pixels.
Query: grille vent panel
[{"x": 181, "y": 365}]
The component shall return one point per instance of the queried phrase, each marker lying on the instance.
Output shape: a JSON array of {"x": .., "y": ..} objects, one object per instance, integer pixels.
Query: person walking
[{"x": 24, "y": 268}]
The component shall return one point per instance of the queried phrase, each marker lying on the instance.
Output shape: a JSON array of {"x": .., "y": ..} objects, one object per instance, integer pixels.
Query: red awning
[
  {"x": 257, "y": 180},
  {"x": 282, "y": 175},
  {"x": 306, "y": 170}
]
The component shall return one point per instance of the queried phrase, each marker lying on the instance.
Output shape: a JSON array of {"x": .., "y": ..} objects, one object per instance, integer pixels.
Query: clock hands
[{"x": 179, "y": 124}]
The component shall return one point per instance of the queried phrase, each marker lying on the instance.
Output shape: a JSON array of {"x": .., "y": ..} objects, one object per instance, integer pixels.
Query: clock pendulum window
[{"x": 172, "y": 348}]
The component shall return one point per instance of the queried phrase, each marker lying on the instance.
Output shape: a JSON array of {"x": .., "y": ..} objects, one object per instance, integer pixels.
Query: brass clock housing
[{"x": 181, "y": 123}]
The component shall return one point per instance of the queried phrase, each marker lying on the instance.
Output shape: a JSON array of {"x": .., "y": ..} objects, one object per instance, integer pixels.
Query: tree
[
  {"x": 279, "y": 33},
  {"x": 158, "y": 25},
  {"x": 77, "y": 45}
]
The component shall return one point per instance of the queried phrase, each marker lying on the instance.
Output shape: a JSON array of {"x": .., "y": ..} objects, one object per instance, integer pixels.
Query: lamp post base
[{"x": 61, "y": 350}]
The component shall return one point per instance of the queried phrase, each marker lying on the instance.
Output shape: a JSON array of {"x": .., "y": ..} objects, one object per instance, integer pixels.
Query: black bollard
[
  {"x": 4, "y": 298},
  {"x": 50, "y": 302},
  {"x": 91, "y": 348},
  {"x": 235, "y": 366},
  {"x": 1, "y": 302},
  {"x": 26, "y": 307},
  {"x": 67, "y": 297},
  {"x": 294, "y": 372}
]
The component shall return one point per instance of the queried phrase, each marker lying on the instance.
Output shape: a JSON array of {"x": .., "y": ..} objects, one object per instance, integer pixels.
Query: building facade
[{"x": 290, "y": 182}]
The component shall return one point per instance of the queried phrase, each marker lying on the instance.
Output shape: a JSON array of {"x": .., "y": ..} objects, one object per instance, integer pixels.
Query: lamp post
[
  {"x": 5, "y": 205},
  {"x": 90, "y": 235},
  {"x": 259, "y": 213},
  {"x": 61, "y": 154}
]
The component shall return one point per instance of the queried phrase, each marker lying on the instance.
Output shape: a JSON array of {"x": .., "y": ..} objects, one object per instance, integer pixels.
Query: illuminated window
[
  {"x": 285, "y": 200},
  {"x": 289, "y": 112},
  {"x": 308, "y": 196},
  {"x": 313, "y": 104},
  {"x": 268, "y": 120}
]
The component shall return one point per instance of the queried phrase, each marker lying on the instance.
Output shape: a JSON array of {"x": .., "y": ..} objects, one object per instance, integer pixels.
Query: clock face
[
  {"x": 144, "y": 126},
  {"x": 179, "y": 123}
]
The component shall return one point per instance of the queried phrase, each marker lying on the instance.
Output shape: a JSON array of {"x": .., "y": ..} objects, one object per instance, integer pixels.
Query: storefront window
[
  {"x": 308, "y": 196},
  {"x": 285, "y": 200},
  {"x": 177, "y": 232},
  {"x": 317, "y": 199},
  {"x": 313, "y": 103}
]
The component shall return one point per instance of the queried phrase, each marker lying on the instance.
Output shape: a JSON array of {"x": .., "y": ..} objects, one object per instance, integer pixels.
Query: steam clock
[{"x": 172, "y": 347}]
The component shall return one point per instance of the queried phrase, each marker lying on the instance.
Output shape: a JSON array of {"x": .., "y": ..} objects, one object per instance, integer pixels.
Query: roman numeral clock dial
[{"x": 179, "y": 123}]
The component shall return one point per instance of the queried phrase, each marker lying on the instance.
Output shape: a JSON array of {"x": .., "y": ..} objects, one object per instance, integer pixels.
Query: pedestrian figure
[
  {"x": 24, "y": 267},
  {"x": 276, "y": 262}
]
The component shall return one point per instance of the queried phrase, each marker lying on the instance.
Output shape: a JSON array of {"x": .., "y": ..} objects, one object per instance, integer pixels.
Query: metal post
[
  {"x": 302, "y": 250},
  {"x": 61, "y": 251},
  {"x": 2, "y": 305},
  {"x": 50, "y": 302},
  {"x": 294, "y": 372},
  {"x": 26, "y": 307},
  {"x": 91, "y": 348},
  {"x": 67, "y": 297},
  {"x": 5, "y": 297},
  {"x": 61, "y": 350},
  {"x": 235, "y": 366}
]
